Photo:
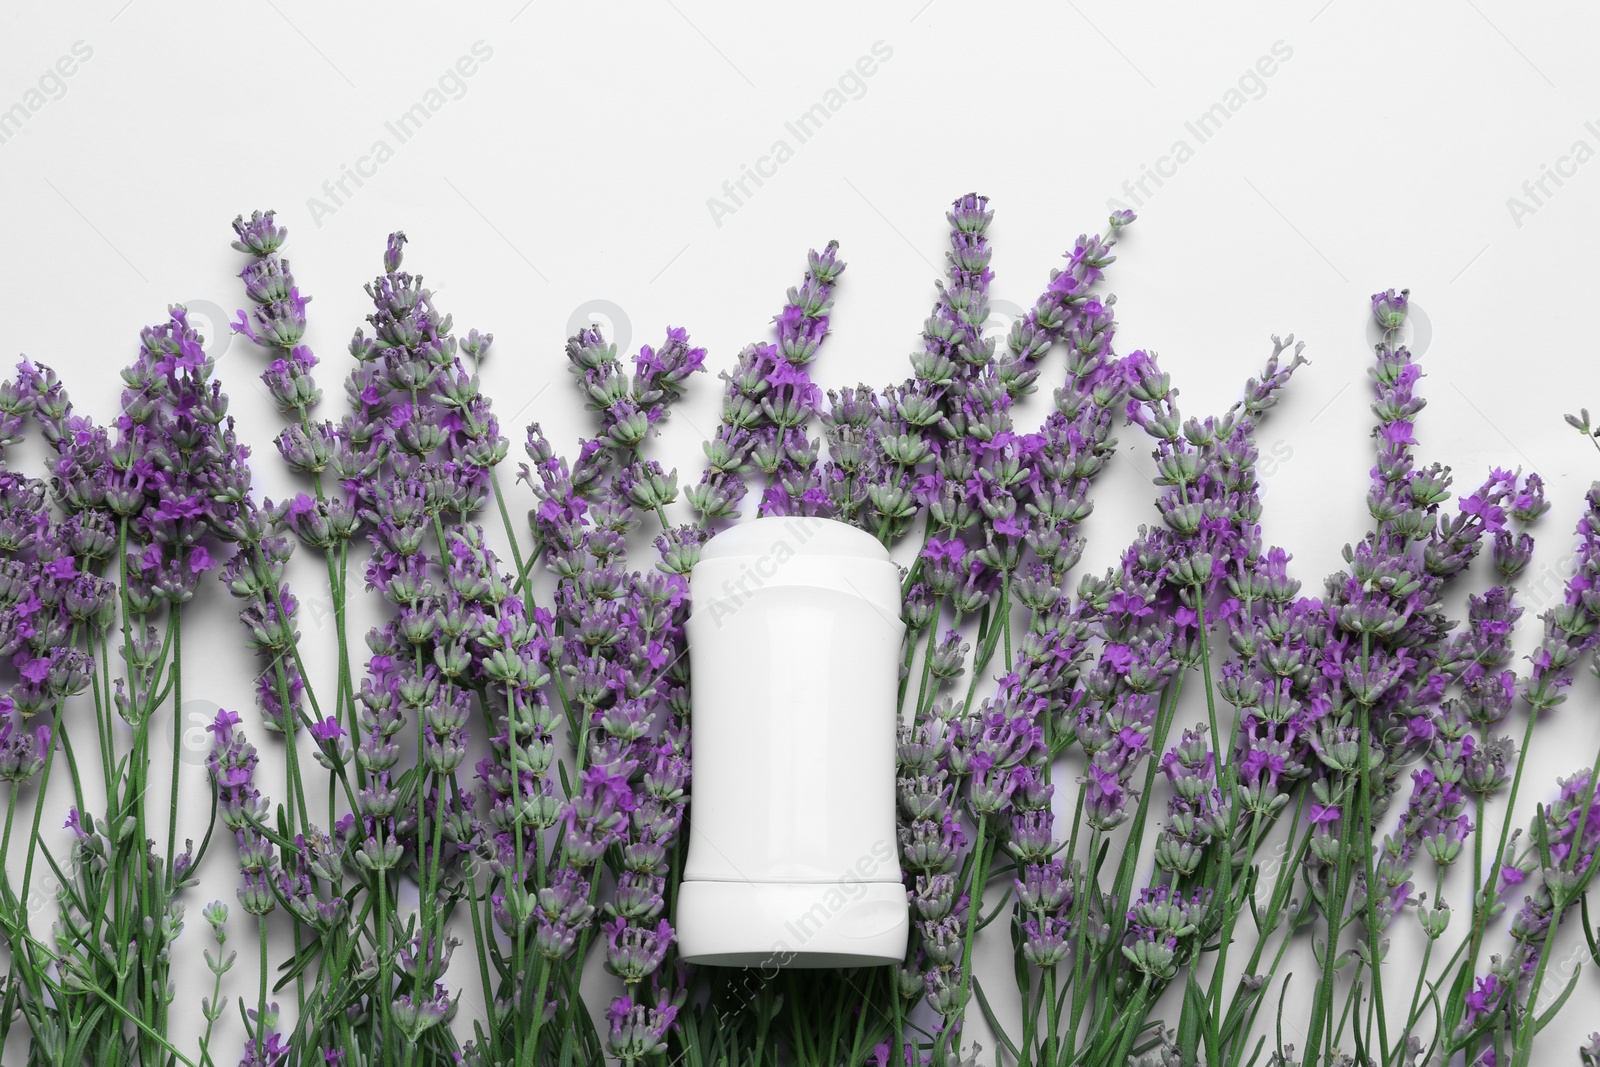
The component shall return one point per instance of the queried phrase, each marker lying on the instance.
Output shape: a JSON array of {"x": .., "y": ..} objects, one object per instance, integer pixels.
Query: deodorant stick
[{"x": 794, "y": 652}]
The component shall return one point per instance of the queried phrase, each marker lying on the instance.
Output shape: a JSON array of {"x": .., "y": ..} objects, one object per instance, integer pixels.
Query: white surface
[{"x": 571, "y": 172}]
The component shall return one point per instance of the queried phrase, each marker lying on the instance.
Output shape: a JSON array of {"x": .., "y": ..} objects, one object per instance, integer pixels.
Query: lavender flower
[
  {"x": 638, "y": 1031},
  {"x": 769, "y": 393},
  {"x": 1572, "y": 628},
  {"x": 630, "y": 408},
  {"x": 554, "y": 853}
]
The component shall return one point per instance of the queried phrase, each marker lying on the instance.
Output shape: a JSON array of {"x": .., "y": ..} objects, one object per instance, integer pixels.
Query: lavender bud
[{"x": 1389, "y": 308}]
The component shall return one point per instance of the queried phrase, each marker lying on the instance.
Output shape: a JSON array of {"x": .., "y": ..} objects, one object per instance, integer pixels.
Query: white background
[{"x": 576, "y": 163}]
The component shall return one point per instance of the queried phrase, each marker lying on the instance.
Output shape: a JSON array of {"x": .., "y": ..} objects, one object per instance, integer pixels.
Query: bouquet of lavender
[
  {"x": 103, "y": 573},
  {"x": 508, "y": 768}
]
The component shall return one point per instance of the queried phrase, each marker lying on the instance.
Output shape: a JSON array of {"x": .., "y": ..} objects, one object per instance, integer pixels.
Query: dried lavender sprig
[
  {"x": 1070, "y": 451},
  {"x": 1487, "y": 698},
  {"x": 1568, "y": 842},
  {"x": 516, "y": 652},
  {"x": 431, "y": 442},
  {"x": 231, "y": 764},
  {"x": 1392, "y": 637},
  {"x": 1066, "y": 310},
  {"x": 278, "y": 322},
  {"x": 45, "y": 601},
  {"x": 631, "y": 405},
  {"x": 168, "y": 483},
  {"x": 1433, "y": 820},
  {"x": 1566, "y": 836},
  {"x": 769, "y": 392},
  {"x": 974, "y": 478},
  {"x": 629, "y": 795},
  {"x": 954, "y": 351},
  {"x": 1571, "y": 630},
  {"x": 1178, "y": 572},
  {"x": 631, "y": 733},
  {"x": 953, "y": 346}
]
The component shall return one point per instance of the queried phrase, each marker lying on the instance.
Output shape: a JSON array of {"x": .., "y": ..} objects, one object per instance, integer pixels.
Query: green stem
[
  {"x": 1560, "y": 901},
  {"x": 38, "y": 806},
  {"x": 1332, "y": 913},
  {"x": 527, "y": 1049},
  {"x": 111, "y": 1001},
  {"x": 511, "y": 536},
  {"x": 176, "y": 675},
  {"x": 1367, "y": 831},
  {"x": 1052, "y": 1015},
  {"x": 1080, "y": 992},
  {"x": 1127, "y": 867},
  {"x": 1422, "y": 972},
  {"x": 1005, "y": 614},
  {"x": 214, "y": 1006},
  {"x": 1130, "y": 1024},
  {"x": 927, "y": 659},
  {"x": 980, "y": 878},
  {"x": 11, "y": 811},
  {"x": 1480, "y": 908},
  {"x": 261, "y": 988},
  {"x": 519, "y": 887},
  {"x": 385, "y": 978},
  {"x": 345, "y": 702}
]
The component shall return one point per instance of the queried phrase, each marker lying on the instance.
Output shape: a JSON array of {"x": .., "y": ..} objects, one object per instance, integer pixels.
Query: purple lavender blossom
[
  {"x": 1572, "y": 628},
  {"x": 769, "y": 393},
  {"x": 637, "y": 1030}
]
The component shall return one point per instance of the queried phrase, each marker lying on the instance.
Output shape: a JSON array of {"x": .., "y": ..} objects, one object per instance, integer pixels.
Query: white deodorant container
[{"x": 794, "y": 652}]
